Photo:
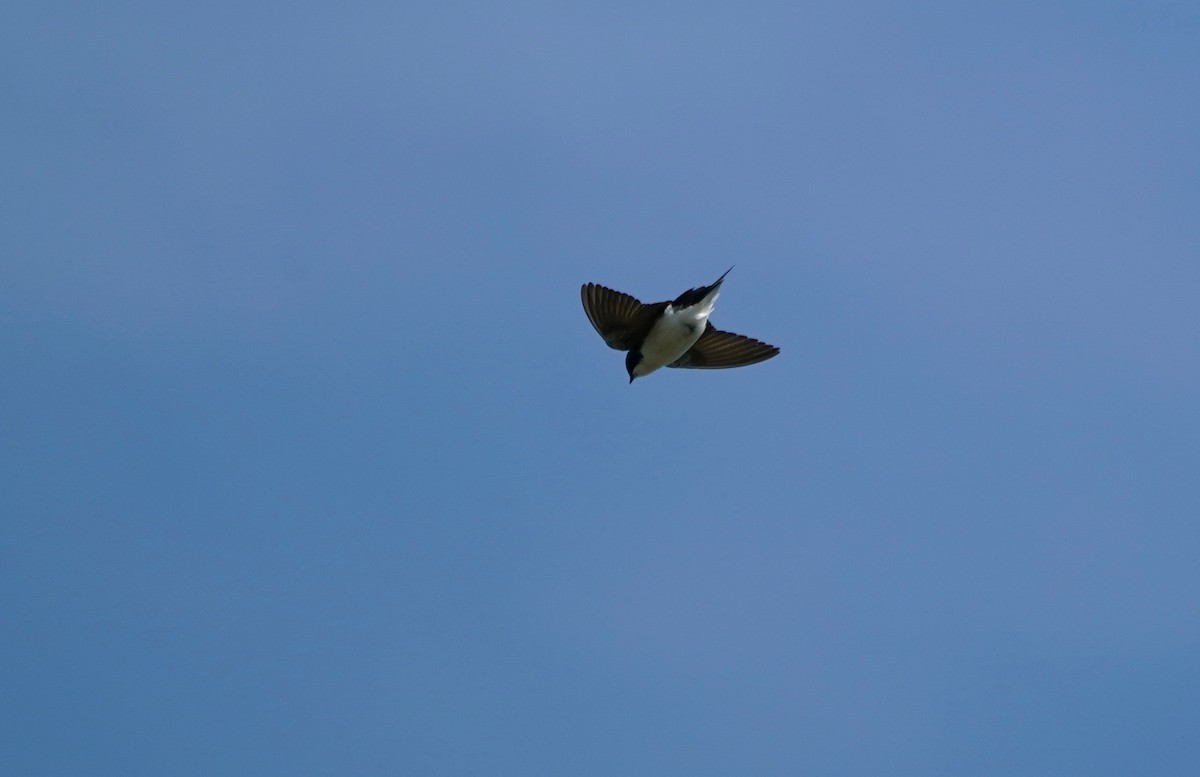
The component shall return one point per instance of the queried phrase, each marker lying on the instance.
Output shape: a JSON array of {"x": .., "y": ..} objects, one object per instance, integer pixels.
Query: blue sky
[{"x": 312, "y": 464}]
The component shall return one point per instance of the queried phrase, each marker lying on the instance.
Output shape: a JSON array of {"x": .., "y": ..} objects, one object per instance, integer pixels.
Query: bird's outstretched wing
[
  {"x": 717, "y": 350},
  {"x": 617, "y": 317}
]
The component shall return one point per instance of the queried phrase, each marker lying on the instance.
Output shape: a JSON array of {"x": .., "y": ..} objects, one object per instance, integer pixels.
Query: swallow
[{"x": 669, "y": 334}]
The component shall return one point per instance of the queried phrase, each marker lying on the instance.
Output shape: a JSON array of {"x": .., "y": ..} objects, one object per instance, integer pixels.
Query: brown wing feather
[
  {"x": 717, "y": 350},
  {"x": 617, "y": 317}
]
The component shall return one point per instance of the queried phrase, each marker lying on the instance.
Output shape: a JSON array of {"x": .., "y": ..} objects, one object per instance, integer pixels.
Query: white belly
[{"x": 672, "y": 336}]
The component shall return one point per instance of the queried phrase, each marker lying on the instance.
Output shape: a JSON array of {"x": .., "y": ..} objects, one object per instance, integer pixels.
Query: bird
[{"x": 669, "y": 334}]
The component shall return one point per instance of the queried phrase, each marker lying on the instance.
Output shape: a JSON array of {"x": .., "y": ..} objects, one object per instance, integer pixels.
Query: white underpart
[{"x": 673, "y": 334}]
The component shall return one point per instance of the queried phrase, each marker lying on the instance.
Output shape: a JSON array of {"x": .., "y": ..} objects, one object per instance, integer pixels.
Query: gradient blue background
[{"x": 311, "y": 463}]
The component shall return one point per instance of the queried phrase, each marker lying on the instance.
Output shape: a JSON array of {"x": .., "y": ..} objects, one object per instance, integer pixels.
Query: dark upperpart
[{"x": 692, "y": 296}]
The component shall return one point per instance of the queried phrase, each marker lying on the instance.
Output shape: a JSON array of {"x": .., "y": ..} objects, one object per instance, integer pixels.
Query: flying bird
[{"x": 669, "y": 334}]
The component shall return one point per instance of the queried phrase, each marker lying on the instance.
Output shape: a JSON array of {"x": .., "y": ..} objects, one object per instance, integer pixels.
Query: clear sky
[{"x": 310, "y": 462}]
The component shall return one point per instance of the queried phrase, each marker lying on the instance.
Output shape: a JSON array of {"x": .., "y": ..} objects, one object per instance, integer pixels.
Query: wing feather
[
  {"x": 614, "y": 315},
  {"x": 717, "y": 350}
]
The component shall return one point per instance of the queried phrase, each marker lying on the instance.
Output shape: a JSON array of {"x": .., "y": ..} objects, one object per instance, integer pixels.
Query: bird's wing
[
  {"x": 619, "y": 318},
  {"x": 717, "y": 350}
]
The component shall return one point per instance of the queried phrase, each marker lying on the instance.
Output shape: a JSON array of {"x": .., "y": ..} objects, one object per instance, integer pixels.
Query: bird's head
[{"x": 632, "y": 360}]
